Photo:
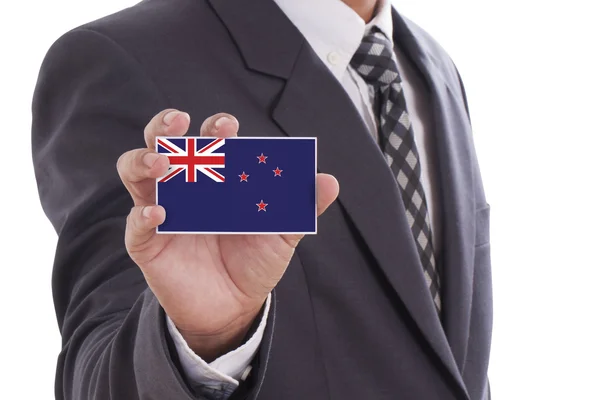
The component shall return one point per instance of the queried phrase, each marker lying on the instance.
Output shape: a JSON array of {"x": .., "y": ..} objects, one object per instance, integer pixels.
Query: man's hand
[{"x": 211, "y": 286}]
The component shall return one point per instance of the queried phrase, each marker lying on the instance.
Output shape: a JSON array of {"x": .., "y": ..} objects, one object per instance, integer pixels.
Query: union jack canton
[{"x": 190, "y": 159}]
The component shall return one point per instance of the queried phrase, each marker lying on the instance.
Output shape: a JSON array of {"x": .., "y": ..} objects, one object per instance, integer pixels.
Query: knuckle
[
  {"x": 156, "y": 126},
  {"x": 138, "y": 157},
  {"x": 130, "y": 221},
  {"x": 155, "y": 123},
  {"x": 207, "y": 124},
  {"x": 135, "y": 243},
  {"x": 134, "y": 220},
  {"x": 129, "y": 162},
  {"x": 151, "y": 129}
]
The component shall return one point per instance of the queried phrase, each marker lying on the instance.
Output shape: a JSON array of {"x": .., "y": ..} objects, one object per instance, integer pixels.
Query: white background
[{"x": 532, "y": 74}]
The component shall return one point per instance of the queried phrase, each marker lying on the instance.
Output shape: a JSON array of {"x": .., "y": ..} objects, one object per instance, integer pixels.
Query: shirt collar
[{"x": 333, "y": 29}]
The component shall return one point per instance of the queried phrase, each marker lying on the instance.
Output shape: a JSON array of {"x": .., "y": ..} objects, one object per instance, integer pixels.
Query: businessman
[{"x": 392, "y": 298}]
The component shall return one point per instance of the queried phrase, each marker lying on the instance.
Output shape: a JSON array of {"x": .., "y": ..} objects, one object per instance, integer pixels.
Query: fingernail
[
  {"x": 221, "y": 121},
  {"x": 170, "y": 117},
  {"x": 147, "y": 211},
  {"x": 150, "y": 158}
]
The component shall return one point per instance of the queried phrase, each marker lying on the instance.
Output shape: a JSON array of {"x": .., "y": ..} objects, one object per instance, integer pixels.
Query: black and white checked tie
[{"x": 374, "y": 63}]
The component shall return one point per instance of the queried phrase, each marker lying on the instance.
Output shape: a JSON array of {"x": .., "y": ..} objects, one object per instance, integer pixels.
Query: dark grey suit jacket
[{"x": 352, "y": 317}]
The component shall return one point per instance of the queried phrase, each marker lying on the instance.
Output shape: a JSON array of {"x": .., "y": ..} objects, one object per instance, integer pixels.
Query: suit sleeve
[
  {"x": 226, "y": 372},
  {"x": 91, "y": 104}
]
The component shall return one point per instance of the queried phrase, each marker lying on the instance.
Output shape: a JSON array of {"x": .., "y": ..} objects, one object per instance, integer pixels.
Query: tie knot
[{"x": 374, "y": 62}]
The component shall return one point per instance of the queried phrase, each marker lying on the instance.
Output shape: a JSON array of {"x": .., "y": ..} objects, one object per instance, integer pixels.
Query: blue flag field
[{"x": 238, "y": 185}]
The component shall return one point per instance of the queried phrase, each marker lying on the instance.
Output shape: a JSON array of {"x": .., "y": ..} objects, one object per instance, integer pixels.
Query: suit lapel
[
  {"x": 455, "y": 154},
  {"x": 313, "y": 103}
]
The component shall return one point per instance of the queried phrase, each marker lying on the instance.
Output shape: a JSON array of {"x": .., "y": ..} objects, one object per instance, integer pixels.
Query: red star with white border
[
  {"x": 278, "y": 171},
  {"x": 262, "y": 158},
  {"x": 262, "y": 206},
  {"x": 243, "y": 177}
]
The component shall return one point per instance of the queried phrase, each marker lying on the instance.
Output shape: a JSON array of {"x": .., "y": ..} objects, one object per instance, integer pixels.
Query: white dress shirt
[{"x": 334, "y": 31}]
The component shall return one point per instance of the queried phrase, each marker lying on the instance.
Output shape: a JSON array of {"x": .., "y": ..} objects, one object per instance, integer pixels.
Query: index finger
[{"x": 169, "y": 122}]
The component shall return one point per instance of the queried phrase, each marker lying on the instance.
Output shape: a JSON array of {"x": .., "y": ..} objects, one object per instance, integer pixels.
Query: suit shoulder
[{"x": 147, "y": 25}]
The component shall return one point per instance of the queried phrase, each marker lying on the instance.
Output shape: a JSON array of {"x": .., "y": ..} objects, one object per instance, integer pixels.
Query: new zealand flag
[{"x": 238, "y": 185}]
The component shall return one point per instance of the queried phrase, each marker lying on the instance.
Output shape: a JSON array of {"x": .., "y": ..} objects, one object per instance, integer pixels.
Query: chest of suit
[{"x": 352, "y": 311}]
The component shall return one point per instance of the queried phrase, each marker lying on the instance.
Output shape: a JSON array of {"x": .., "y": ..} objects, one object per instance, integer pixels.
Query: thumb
[{"x": 328, "y": 189}]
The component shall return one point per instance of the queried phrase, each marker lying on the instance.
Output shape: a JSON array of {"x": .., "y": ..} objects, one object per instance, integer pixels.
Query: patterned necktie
[{"x": 374, "y": 63}]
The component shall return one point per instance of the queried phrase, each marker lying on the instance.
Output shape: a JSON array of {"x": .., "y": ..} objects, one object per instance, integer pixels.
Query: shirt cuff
[{"x": 226, "y": 371}]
